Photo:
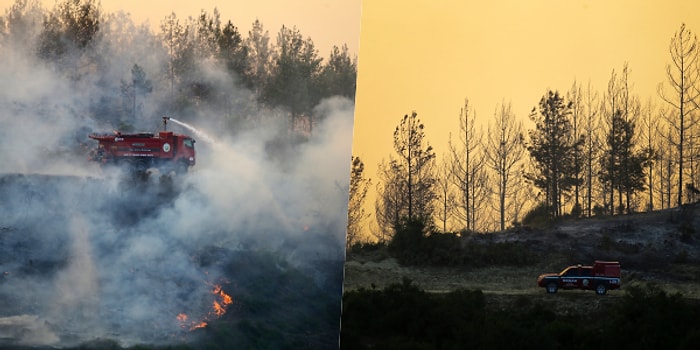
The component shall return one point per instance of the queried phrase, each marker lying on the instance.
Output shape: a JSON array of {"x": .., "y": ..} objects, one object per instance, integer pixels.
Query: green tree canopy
[
  {"x": 294, "y": 73},
  {"x": 553, "y": 146},
  {"x": 338, "y": 76}
]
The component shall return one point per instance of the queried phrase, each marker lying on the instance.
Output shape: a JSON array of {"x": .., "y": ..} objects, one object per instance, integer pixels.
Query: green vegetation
[
  {"x": 275, "y": 306},
  {"x": 412, "y": 246},
  {"x": 193, "y": 61},
  {"x": 538, "y": 216},
  {"x": 404, "y": 317}
]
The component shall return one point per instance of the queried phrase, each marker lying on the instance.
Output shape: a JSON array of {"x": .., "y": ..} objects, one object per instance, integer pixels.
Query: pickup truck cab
[{"x": 601, "y": 277}]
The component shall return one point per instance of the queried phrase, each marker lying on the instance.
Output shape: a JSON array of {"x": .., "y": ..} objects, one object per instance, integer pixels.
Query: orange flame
[
  {"x": 198, "y": 325},
  {"x": 218, "y": 309},
  {"x": 182, "y": 318}
]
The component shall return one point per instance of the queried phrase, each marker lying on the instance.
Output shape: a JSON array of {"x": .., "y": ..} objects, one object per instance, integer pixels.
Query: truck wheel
[
  {"x": 551, "y": 287},
  {"x": 601, "y": 289},
  {"x": 138, "y": 165},
  {"x": 181, "y": 168}
]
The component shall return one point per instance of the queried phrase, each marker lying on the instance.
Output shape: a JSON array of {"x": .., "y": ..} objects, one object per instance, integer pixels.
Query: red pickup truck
[{"x": 601, "y": 277}]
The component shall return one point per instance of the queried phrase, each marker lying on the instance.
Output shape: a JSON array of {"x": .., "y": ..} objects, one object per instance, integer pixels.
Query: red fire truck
[{"x": 164, "y": 150}]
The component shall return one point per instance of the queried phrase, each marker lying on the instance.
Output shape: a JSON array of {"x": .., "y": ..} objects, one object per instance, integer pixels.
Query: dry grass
[{"x": 652, "y": 247}]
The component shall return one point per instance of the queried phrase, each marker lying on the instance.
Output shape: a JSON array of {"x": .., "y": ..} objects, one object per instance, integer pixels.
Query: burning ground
[{"x": 242, "y": 251}]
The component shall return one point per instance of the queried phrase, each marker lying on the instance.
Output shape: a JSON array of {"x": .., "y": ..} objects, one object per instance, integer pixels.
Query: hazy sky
[
  {"x": 429, "y": 56},
  {"x": 327, "y": 22}
]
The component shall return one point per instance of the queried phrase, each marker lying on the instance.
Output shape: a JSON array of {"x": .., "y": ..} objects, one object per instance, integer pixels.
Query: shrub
[
  {"x": 687, "y": 231},
  {"x": 406, "y": 245},
  {"x": 538, "y": 216},
  {"x": 403, "y": 316},
  {"x": 650, "y": 318},
  {"x": 443, "y": 249},
  {"x": 499, "y": 254},
  {"x": 576, "y": 211},
  {"x": 681, "y": 257},
  {"x": 360, "y": 247},
  {"x": 606, "y": 243},
  {"x": 599, "y": 210}
]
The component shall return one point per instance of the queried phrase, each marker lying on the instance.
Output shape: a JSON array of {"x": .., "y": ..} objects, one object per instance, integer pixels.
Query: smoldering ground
[
  {"x": 89, "y": 254},
  {"x": 113, "y": 257}
]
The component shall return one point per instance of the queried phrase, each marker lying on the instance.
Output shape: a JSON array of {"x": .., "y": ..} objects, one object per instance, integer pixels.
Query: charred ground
[{"x": 101, "y": 263}]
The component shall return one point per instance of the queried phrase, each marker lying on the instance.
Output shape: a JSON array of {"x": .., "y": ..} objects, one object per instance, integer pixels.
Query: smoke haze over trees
[
  {"x": 91, "y": 253},
  {"x": 191, "y": 63}
]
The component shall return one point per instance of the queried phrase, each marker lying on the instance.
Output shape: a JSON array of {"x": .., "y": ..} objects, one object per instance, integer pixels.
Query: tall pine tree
[
  {"x": 552, "y": 146},
  {"x": 408, "y": 193}
]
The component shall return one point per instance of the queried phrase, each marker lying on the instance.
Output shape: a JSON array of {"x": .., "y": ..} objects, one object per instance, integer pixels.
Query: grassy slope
[
  {"x": 662, "y": 247},
  {"x": 659, "y": 253}
]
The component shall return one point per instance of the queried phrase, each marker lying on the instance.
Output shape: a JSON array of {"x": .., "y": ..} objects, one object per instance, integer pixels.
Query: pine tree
[
  {"x": 356, "y": 199},
  {"x": 407, "y": 193},
  {"x": 552, "y": 146}
]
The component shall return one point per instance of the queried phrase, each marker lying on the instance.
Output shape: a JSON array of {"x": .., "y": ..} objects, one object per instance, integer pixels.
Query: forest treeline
[
  {"x": 590, "y": 153},
  {"x": 204, "y": 67}
]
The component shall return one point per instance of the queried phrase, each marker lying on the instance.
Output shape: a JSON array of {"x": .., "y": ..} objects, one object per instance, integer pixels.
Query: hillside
[
  {"x": 111, "y": 262},
  {"x": 661, "y": 247},
  {"x": 490, "y": 299}
]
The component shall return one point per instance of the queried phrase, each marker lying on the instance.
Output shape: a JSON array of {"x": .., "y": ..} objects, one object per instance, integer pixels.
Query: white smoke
[
  {"x": 86, "y": 253},
  {"x": 27, "y": 330}
]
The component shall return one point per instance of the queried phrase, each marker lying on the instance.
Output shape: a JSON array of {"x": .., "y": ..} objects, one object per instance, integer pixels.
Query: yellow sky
[
  {"x": 429, "y": 55},
  {"x": 327, "y": 22}
]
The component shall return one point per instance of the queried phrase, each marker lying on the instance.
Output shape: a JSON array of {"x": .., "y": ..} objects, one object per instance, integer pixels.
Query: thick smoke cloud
[{"x": 90, "y": 253}]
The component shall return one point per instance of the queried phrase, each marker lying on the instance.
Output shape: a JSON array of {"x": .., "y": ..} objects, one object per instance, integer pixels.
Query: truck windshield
[{"x": 188, "y": 143}]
